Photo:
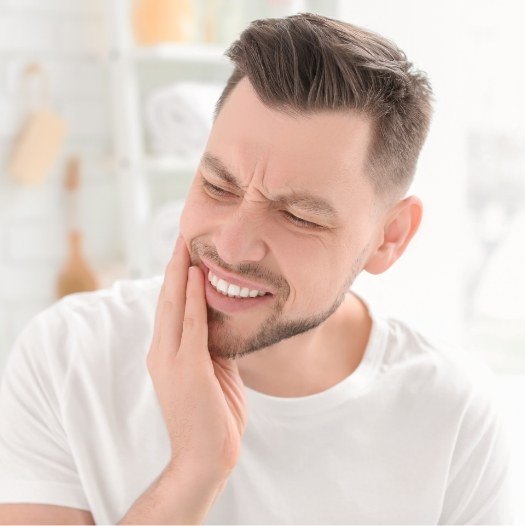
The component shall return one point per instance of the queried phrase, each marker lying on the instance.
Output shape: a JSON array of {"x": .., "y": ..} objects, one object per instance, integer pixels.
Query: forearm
[{"x": 175, "y": 497}]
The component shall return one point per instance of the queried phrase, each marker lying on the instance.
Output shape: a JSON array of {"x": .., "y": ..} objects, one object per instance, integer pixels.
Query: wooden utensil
[
  {"x": 76, "y": 274},
  {"x": 39, "y": 142}
]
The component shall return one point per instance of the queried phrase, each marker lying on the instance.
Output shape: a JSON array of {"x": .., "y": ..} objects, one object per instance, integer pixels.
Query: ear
[{"x": 399, "y": 228}]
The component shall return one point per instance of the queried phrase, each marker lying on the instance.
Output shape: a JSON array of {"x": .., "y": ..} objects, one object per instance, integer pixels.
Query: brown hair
[{"x": 306, "y": 63}]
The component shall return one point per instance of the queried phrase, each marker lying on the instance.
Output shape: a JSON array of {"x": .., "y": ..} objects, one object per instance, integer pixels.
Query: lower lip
[{"x": 219, "y": 301}]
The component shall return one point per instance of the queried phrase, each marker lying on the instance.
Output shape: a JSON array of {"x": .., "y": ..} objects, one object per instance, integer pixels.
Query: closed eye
[
  {"x": 300, "y": 222},
  {"x": 216, "y": 190}
]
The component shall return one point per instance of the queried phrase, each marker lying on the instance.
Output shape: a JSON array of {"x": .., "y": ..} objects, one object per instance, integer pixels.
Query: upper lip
[{"x": 233, "y": 279}]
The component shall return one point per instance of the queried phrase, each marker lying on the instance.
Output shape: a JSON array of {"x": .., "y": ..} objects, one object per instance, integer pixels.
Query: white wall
[
  {"x": 64, "y": 36},
  {"x": 453, "y": 282},
  {"x": 424, "y": 285}
]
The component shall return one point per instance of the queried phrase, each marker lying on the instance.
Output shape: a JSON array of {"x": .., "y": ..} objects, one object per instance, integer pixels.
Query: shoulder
[
  {"x": 451, "y": 393},
  {"x": 82, "y": 326},
  {"x": 122, "y": 294},
  {"x": 126, "y": 301},
  {"x": 439, "y": 372}
]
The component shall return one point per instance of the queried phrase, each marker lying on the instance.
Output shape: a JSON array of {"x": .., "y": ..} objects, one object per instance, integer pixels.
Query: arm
[
  {"x": 202, "y": 402},
  {"x": 175, "y": 497},
  {"x": 43, "y": 514}
]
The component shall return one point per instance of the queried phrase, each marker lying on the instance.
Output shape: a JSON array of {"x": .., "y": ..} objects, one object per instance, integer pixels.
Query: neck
[{"x": 313, "y": 361}]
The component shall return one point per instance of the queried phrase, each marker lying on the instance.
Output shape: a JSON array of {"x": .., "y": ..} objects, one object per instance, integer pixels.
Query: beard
[{"x": 223, "y": 342}]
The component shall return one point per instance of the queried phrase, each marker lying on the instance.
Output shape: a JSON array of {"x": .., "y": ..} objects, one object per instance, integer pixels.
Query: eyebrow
[{"x": 304, "y": 200}]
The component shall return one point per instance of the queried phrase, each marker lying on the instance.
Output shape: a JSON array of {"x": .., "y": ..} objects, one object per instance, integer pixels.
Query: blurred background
[{"x": 105, "y": 106}]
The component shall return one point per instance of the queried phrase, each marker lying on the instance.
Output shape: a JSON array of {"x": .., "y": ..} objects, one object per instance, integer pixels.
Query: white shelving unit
[
  {"x": 193, "y": 53},
  {"x": 133, "y": 164},
  {"x": 135, "y": 167}
]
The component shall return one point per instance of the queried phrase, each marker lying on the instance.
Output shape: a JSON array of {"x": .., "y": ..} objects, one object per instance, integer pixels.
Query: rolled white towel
[
  {"x": 163, "y": 232},
  {"x": 178, "y": 117}
]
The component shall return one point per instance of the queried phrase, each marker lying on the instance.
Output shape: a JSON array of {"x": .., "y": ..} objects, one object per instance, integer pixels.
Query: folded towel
[
  {"x": 178, "y": 117},
  {"x": 163, "y": 232}
]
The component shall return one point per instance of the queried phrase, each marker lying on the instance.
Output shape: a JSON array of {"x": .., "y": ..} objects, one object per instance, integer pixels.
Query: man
[{"x": 254, "y": 387}]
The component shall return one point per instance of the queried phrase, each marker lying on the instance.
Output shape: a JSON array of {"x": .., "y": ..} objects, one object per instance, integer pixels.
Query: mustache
[{"x": 198, "y": 249}]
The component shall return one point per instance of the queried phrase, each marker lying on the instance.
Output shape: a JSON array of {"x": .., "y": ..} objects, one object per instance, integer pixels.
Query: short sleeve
[
  {"x": 479, "y": 485},
  {"x": 35, "y": 459}
]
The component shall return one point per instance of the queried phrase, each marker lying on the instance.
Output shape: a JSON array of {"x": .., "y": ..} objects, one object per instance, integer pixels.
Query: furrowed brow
[
  {"x": 309, "y": 203},
  {"x": 215, "y": 165},
  {"x": 295, "y": 199}
]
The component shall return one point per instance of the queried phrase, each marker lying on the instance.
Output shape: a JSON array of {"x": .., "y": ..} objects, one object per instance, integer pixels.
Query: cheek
[
  {"x": 313, "y": 275},
  {"x": 308, "y": 263}
]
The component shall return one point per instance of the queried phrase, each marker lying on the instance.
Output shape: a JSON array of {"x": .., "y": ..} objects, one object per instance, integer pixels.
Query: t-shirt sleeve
[
  {"x": 479, "y": 484},
  {"x": 35, "y": 458}
]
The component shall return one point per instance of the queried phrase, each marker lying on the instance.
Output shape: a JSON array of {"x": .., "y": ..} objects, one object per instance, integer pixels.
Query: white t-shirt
[{"x": 412, "y": 436}]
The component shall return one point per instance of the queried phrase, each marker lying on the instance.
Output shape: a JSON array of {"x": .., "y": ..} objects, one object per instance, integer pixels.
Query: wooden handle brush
[{"x": 76, "y": 274}]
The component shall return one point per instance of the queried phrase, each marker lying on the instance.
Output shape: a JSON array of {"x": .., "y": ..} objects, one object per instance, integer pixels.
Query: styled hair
[{"x": 308, "y": 63}]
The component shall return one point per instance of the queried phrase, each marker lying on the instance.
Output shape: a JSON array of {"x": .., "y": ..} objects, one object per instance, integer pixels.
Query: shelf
[
  {"x": 191, "y": 52},
  {"x": 170, "y": 164}
]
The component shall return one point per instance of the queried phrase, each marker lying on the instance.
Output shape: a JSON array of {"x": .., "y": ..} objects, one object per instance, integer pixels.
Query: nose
[{"x": 238, "y": 239}]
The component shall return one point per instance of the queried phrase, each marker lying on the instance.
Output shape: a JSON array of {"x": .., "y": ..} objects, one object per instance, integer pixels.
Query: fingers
[
  {"x": 194, "y": 339},
  {"x": 156, "y": 328},
  {"x": 170, "y": 308}
]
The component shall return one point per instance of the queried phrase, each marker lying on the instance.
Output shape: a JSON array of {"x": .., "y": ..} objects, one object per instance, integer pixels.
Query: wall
[
  {"x": 66, "y": 37},
  {"x": 424, "y": 286},
  {"x": 460, "y": 279}
]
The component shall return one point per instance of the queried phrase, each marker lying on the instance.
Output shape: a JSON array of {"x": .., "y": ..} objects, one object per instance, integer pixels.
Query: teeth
[
  {"x": 233, "y": 291},
  {"x": 245, "y": 292},
  {"x": 222, "y": 286}
]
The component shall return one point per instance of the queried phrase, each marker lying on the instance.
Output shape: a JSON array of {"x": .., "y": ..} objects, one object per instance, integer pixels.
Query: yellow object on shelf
[
  {"x": 41, "y": 138},
  {"x": 158, "y": 21},
  {"x": 210, "y": 22},
  {"x": 37, "y": 147}
]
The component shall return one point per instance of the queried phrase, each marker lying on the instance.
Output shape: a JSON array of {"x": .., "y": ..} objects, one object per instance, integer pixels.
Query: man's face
[{"x": 248, "y": 230}]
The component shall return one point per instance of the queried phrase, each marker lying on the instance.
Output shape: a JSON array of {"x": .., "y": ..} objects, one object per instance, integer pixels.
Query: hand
[{"x": 201, "y": 398}]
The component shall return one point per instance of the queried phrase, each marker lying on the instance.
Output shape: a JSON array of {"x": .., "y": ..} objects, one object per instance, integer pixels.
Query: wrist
[
  {"x": 177, "y": 496},
  {"x": 189, "y": 493},
  {"x": 194, "y": 473},
  {"x": 190, "y": 469}
]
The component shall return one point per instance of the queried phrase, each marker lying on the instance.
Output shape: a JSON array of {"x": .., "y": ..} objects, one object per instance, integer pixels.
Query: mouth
[
  {"x": 230, "y": 279},
  {"x": 231, "y": 295}
]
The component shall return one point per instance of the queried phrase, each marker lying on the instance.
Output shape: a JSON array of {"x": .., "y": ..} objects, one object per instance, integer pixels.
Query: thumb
[{"x": 194, "y": 339}]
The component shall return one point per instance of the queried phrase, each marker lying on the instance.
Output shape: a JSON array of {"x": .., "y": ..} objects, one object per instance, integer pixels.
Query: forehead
[{"x": 324, "y": 152}]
